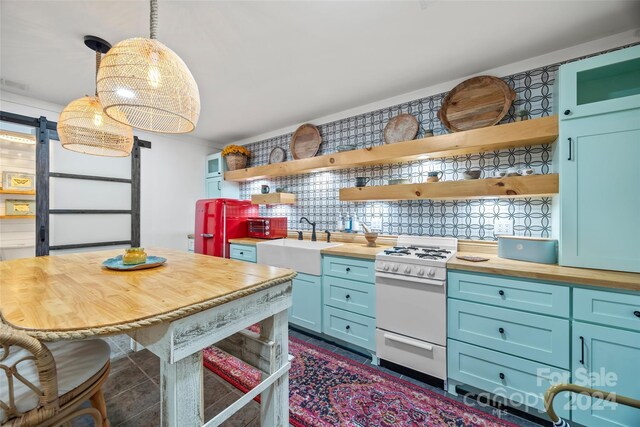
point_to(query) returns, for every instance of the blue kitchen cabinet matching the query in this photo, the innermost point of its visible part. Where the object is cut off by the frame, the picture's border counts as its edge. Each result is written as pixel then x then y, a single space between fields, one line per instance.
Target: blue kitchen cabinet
pixel 598 101
pixel 242 252
pixel 599 85
pixel 306 308
pixel 599 192
pixel 349 300
pixel 606 359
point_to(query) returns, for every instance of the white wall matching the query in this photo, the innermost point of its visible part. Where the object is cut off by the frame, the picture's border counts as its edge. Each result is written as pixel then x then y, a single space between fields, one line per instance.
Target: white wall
pixel 172 176
pixel 599 45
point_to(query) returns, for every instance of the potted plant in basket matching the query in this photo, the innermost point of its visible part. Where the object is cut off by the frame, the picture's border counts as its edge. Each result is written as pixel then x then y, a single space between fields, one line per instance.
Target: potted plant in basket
pixel 236 156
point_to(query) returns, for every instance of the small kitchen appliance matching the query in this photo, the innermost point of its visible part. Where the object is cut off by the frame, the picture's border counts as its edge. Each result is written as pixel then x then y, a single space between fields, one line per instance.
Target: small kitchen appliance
pixel 411 303
pixel 267 228
pixel 217 221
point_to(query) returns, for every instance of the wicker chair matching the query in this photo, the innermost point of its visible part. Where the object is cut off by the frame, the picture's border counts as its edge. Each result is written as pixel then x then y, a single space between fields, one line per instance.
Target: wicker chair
pixel 46 385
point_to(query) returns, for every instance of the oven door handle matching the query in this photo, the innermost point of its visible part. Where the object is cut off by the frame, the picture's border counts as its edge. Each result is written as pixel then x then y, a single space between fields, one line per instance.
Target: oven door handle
pixel 420 280
pixel 407 341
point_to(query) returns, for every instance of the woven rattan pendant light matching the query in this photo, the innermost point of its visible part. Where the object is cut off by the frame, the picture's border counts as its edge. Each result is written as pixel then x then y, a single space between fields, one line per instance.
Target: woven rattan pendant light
pixel 84 127
pixel 149 85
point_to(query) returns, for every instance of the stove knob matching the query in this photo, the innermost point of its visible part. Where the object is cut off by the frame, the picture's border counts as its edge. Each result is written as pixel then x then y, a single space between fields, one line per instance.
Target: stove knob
pixel 385 266
pixel 395 267
pixel 407 269
pixel 421 272
pixel 431 273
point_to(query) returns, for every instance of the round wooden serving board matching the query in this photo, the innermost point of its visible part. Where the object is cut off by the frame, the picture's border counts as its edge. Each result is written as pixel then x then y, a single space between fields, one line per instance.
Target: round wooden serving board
pixel 476 103
pixel 305 142
pixel 401 128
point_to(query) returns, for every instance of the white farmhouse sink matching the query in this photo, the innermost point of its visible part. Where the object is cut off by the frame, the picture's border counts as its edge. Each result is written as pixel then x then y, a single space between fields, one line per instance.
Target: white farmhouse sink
pixel 302 256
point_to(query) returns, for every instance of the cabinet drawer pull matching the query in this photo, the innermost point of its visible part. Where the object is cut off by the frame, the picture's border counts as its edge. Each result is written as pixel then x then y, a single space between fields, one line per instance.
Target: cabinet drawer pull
pixel 348 269
pixel 567 112
pixel 501 330
pixel 347 296
pixel 241 253
pixel 582 350
pixel 348 327
pixel 406 341
pixel 637 313
pixel 501 292
pixel 501 376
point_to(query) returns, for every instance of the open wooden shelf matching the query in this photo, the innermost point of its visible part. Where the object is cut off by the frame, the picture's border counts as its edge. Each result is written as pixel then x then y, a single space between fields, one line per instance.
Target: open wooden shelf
pixel 25 193
pixel 17 216
pixel 489 188
pixel 518 134
pixel 273 199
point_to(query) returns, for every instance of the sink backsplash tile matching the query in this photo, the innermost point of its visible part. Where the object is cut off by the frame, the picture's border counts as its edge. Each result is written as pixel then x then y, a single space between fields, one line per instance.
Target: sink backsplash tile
pixel 317 193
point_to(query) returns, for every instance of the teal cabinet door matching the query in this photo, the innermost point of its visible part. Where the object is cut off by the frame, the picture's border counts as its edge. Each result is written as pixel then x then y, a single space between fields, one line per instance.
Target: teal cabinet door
pixel 612 357
pixel 601 84
pixel 306 309
pixel 214 187
pixel 599 192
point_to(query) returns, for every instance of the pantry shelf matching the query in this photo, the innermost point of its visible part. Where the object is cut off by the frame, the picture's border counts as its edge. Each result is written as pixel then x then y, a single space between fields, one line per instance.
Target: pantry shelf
pixel 543 130
pixel 18 192
pixel 508 187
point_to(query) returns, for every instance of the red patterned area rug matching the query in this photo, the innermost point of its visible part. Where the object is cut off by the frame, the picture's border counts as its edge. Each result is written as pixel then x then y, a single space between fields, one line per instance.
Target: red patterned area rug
pixel 328 390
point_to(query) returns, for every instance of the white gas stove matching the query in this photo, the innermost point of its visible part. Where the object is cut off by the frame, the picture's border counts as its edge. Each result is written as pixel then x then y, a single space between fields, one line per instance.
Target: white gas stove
pixel 418 257
pixel 411 303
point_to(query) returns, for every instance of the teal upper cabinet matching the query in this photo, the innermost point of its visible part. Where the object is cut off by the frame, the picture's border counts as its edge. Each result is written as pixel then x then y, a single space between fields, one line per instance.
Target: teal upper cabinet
pixel 600 192
pixel 598 152
pixel 601 84
pixel 214 165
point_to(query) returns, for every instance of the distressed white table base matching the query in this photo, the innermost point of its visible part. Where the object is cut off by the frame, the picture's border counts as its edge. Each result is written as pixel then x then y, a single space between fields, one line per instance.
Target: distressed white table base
pixel 178 344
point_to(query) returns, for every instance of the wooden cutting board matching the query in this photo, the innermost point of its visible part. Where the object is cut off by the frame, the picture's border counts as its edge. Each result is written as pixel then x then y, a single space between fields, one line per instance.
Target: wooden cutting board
pixel 476 103
pixel 305 142
pixel 401 128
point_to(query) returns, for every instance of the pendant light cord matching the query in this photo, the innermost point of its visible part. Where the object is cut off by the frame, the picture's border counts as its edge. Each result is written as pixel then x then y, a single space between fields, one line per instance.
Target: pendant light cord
pixel 154 19
pixel 98 59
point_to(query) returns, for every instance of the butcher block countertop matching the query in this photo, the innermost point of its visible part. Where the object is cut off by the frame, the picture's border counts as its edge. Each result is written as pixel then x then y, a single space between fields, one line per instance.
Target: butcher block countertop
pixel 506 267
pixel 551 272
pixel 247 241
pixel 355 250
pixel 75 292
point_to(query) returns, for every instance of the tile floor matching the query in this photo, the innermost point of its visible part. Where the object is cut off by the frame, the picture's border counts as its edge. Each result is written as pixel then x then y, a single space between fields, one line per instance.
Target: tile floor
pixel 133 395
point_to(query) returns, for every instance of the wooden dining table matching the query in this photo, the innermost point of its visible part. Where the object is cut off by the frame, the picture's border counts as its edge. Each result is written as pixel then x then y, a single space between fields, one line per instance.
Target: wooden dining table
pixel 191 302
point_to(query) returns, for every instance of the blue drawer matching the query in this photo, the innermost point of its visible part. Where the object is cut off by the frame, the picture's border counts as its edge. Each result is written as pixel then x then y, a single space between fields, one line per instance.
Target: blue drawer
pixel 608 308
pixel 523 381
pixel 349 268
pixel 517 294
pixel 306 307
pixel 350 327
pixel 350 295
pixel 242 252
pixel 541 338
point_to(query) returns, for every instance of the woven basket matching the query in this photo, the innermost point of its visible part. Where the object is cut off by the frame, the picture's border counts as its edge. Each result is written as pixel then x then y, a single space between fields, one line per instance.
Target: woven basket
pixel 236 161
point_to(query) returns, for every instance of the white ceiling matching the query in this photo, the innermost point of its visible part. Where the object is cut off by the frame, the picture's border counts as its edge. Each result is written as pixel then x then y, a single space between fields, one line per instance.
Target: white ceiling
pixel 264 65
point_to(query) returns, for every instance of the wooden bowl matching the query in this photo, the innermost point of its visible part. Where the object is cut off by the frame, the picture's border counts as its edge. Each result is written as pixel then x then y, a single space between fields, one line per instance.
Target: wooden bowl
pixel 371 239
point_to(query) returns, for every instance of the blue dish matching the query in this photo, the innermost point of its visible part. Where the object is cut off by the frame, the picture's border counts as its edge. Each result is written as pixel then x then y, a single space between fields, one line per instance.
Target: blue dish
pixel 116 263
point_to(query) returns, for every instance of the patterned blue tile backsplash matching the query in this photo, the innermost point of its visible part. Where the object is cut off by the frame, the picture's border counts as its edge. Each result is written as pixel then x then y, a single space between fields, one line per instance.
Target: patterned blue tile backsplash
pixel 317 193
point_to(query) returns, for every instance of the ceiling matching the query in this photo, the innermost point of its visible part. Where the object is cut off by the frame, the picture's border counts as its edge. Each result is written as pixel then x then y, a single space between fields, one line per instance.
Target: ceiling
pixel 264 65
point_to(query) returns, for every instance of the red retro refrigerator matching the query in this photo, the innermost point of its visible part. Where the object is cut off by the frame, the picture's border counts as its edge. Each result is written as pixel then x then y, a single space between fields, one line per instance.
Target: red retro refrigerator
pixel 217 221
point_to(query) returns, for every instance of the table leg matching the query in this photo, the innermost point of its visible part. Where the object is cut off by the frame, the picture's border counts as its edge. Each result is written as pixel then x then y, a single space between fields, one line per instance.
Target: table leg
pixel 274 407
pixel 181 394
